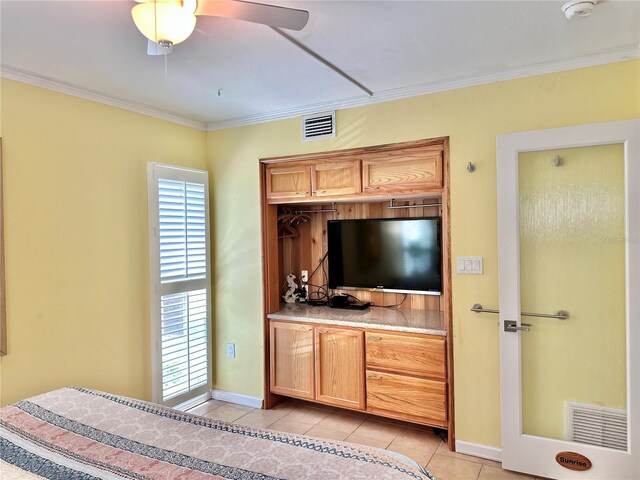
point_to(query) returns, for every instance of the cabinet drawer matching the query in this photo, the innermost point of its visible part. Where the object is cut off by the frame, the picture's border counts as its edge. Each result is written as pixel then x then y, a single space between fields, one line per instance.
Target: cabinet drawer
pixel 407 397
pixel 413 355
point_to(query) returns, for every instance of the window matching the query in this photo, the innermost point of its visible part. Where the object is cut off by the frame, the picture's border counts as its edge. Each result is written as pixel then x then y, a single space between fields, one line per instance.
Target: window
pixel 180 284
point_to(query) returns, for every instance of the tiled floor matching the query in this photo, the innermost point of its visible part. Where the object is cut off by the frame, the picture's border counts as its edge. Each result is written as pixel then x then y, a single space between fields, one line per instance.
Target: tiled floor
pixel 420 444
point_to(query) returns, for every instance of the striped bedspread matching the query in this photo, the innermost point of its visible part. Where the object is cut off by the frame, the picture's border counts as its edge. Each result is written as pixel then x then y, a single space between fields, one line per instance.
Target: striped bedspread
pixel 75 433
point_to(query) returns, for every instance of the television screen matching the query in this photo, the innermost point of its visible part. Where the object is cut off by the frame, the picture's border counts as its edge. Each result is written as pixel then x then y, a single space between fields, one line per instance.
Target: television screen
pixel 392 254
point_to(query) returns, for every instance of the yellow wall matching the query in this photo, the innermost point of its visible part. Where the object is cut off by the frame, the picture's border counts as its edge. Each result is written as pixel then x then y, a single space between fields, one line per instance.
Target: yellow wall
pixel 472 117
pixel 76 239
pixel 572 257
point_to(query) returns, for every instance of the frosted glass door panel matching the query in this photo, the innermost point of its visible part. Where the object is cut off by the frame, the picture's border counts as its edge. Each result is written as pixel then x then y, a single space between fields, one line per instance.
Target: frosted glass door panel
pixel 572 257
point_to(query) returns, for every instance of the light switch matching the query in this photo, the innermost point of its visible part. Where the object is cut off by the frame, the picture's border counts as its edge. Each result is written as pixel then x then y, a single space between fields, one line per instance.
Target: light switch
pixel 469 265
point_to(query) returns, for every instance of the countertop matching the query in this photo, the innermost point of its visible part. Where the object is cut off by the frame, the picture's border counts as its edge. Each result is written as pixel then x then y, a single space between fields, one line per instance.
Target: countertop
pixel 396 320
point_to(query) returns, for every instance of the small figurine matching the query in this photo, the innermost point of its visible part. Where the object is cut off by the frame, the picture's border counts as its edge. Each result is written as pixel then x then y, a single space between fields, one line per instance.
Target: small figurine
pixel 290 296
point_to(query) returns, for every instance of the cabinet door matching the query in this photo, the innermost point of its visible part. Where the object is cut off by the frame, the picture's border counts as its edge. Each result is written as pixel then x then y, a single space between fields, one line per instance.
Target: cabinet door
pixel 420 356
pixel 340 367
pixel 292 181
pixel 335 178
pixel 414 171
pixel 292 359
pixel 406 397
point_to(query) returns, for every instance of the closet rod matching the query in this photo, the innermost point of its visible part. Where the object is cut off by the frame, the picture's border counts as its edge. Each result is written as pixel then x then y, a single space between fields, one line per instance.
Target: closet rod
pixel 321 210
pixel 392 205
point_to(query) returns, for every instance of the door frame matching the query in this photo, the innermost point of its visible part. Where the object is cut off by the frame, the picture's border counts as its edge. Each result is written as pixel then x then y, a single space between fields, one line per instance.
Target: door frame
pixel 528 453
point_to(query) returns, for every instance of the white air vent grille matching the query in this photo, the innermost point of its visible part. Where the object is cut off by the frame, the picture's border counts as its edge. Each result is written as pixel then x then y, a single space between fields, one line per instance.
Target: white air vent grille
pixel 321 125
pixel 594 425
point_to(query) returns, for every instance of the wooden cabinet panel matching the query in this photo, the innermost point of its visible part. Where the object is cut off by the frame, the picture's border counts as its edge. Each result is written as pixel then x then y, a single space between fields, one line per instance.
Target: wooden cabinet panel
pixel 335 178
pixel 291 181
pixel 411 171
pixel 405 397
pixel 291 362
pixel 340 367
pixel 421 356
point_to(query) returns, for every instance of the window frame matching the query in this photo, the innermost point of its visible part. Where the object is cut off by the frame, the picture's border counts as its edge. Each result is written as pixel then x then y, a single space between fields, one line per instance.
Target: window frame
pixel 155 171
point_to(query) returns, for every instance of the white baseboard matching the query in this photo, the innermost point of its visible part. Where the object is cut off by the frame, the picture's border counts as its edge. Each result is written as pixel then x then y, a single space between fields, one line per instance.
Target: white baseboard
pixel 237 398
pixel 477 450
pixel 193 402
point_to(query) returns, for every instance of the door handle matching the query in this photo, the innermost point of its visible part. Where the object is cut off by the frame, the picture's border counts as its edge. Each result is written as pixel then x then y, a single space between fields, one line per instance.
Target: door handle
pixel 512 326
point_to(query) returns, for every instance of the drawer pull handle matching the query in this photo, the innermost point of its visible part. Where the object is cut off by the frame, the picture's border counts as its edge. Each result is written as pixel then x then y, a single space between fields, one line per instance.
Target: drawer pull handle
pixel 319 191
pixel 301 193
pixel 371 337
pixel 373 377
pixel 371 188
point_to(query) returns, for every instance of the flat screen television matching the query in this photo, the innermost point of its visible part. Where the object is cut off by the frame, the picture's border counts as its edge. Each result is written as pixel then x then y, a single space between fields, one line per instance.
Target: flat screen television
pixel 391 254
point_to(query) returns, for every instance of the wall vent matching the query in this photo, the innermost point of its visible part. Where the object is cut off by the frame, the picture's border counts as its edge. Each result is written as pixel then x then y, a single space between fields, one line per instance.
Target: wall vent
pixel 319 125
pixel 595 425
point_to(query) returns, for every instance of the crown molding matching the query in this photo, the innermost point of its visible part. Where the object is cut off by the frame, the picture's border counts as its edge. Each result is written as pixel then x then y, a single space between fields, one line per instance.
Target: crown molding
pixel 12 73
pixel 627 52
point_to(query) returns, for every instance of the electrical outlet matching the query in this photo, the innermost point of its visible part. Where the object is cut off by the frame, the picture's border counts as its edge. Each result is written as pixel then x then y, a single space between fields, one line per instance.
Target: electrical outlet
pixel 231 350
pixel 304 278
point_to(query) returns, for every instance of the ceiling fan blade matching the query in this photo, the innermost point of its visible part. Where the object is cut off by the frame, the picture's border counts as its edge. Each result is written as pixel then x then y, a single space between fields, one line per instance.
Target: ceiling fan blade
pixel 272 15
pixel 155 49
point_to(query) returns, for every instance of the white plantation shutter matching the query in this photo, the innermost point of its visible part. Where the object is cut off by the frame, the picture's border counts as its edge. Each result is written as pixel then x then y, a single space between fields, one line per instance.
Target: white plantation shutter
pixel 180 283
pixel 182 230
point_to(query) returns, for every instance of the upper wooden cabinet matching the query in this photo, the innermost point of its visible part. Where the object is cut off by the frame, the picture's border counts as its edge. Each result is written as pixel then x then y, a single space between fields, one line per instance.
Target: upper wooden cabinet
pixel 414 170
pixel 292 360
pixel 335 178
pixel 288 181
pixel 340 367
pixel 313 180
pixel 388 171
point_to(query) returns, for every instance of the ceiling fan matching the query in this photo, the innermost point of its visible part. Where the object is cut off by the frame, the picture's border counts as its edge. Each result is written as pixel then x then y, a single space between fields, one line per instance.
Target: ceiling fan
pixel 168 22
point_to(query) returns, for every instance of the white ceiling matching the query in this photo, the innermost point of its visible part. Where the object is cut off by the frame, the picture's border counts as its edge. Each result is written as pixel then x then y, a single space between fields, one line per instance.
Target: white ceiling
pixel 394 48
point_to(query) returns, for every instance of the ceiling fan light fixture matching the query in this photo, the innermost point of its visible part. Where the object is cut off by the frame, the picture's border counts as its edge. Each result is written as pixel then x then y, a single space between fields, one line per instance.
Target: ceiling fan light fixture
pixel 164 21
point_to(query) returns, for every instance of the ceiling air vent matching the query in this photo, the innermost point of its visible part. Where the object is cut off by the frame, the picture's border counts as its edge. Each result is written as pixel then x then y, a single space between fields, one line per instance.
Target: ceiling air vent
pixel 605 427
pixel 319 125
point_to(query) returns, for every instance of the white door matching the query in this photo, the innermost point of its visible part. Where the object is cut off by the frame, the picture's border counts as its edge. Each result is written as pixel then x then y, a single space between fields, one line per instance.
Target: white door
pixel 569 240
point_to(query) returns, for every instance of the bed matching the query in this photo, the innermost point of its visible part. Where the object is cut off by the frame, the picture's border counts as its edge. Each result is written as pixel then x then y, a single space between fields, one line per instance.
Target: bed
pixel 76 433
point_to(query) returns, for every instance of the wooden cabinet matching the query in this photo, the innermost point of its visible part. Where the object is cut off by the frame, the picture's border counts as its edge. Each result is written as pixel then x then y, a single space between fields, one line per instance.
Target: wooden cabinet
pixel 292 359
pixel 415 170
pixel 297 182
pixel 340 367
pixel 388 173
pixel 406 376
pixel 335 178
pixel 386 373
pixel 290 181
pixel 405 397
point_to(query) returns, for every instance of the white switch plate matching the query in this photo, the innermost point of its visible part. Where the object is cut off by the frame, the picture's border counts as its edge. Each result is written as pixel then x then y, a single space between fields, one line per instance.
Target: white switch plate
pixel 231 350
pixel 469 265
